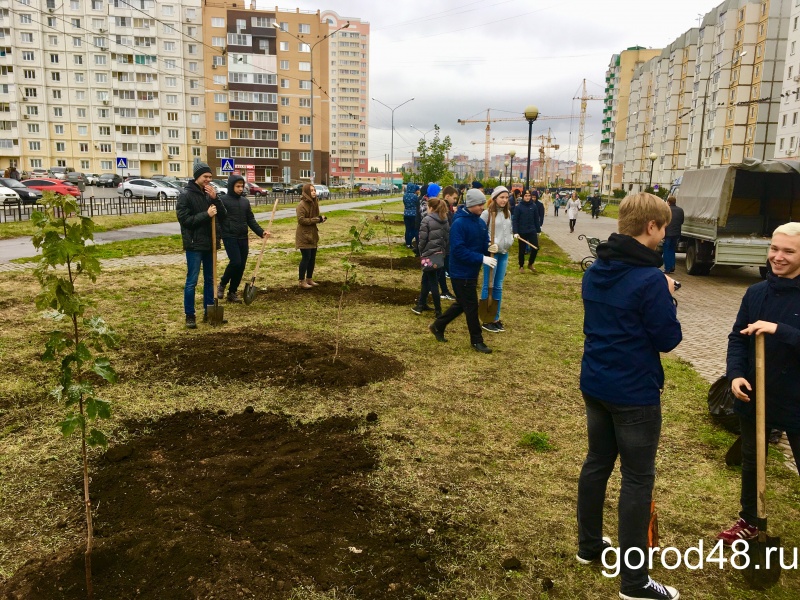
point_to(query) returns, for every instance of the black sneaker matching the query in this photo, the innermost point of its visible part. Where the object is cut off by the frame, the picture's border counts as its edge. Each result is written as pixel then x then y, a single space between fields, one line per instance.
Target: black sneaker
pixel 490 327
pixel 482 348
pixel 448 297
pixel 191 322
pixel 499 326
pixel 233 298
pixel 587 559
pixel 220 292
pixel 417 310
pixel 652 591
pixel 436 333
pixel 425 307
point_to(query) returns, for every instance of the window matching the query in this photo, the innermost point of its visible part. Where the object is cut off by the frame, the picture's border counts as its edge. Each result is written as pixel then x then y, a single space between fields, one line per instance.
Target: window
pixel 305 102
pixel 789 73
pixel 221 135
pixel 102 113
pixel 57 94
pixel 83 147
pixel 169 46
pixel 220 98
pixel 79 77
pixel 303 47
pixel 285 156
pixel 54 59
pixel 284 101
pixel 305 85
pixel 76 42
pixel 305 66
pixel 218 41
pixel 104 130
pixel 173 150
pixel 305 139
pixel 284 46
pixel 305 120
pixel 77 59
pixel 221 117
pixel 61 147
pixel 33 128
pixel 34 145
pixel 304 28
pixel 171 81
pixel 241 24
pixel 168 11
pixel 105 148
pixel 101 77
pixel 262 21
pixel 780 145
pixel 284 119
pixel 172 116
pixel 26 37
pixel 285 84
pixel 170 63
pixel 100 59
pixel 783 121
pixel 28 56
pixel 172 134
pixel 284 137
pixel 83 130
pixel 305 156
pixel 219 80
pixel 25 19
pixel 217 22
pixel 794 118
pixel 284 64
pixel 192 48
pixel 28 74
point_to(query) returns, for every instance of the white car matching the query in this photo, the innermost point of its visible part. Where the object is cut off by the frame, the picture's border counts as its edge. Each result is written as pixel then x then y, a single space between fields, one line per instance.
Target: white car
pixel 149 188
pixel 8 196
pixel 323 193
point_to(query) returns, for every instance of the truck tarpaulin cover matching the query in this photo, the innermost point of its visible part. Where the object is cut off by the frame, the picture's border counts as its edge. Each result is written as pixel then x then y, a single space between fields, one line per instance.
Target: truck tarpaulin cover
pixel 711 189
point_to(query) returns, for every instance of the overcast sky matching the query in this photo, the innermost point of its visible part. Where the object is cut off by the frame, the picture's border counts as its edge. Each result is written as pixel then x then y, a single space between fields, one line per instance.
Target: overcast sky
pixel 459 57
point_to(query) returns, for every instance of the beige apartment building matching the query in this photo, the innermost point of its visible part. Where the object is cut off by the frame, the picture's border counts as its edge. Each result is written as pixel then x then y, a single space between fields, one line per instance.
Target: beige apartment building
pixel 711 98
pixel 787 145
pixel 85 83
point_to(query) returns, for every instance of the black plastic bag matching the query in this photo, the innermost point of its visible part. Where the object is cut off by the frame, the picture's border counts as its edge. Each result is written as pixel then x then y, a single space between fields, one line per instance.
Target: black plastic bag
pixel 720 405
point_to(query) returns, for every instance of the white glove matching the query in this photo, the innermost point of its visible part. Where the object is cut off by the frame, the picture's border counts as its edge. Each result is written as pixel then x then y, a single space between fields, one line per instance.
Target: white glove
pixel 516 236
pixel 493 248
pixel 490 262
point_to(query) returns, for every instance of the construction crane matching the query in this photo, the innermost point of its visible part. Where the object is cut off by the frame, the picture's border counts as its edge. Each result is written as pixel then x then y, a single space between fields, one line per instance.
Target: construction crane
pixel 546 142
pixel 488 120
pixel 584 98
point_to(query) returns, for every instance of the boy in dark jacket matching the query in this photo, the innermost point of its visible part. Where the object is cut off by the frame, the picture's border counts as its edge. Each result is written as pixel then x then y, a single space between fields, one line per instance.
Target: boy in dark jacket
pixel 772 308
pixel 469 249
pixel 233 232
pixel 629 319
pixel 527 223
pixel 195 206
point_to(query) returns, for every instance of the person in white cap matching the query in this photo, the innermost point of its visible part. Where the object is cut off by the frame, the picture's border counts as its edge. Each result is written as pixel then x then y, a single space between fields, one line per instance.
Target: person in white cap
pixel 499 213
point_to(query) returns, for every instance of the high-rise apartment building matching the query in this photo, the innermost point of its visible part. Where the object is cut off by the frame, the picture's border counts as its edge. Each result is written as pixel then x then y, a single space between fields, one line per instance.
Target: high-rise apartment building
pixel 787 144
pixel 85 82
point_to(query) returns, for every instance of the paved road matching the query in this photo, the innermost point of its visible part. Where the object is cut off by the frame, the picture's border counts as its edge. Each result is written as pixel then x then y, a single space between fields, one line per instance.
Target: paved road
pixel 707 306
pixel 22 247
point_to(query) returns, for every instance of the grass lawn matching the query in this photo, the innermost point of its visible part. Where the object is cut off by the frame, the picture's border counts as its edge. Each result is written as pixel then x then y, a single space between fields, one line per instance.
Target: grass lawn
pixel 484 450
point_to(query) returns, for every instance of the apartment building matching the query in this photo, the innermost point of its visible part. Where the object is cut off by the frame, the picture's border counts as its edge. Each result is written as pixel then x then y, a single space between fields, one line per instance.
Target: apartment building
pixel 618 85
pixel 86 82
pixel 787 145
pixel 349 92
pixel 712 97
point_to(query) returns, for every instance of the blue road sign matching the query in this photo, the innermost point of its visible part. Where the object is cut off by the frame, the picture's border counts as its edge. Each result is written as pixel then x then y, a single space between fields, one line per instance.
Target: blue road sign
pixel 122 162
pixel 227 165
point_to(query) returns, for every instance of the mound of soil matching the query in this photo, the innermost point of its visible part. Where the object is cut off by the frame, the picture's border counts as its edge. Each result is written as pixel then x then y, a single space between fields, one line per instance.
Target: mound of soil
pixel 246 506
pixel 287 359
pixel 382 262
pixel 357 294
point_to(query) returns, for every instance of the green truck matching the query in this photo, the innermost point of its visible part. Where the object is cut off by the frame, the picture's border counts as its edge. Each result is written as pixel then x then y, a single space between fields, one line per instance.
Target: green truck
pixel 731 211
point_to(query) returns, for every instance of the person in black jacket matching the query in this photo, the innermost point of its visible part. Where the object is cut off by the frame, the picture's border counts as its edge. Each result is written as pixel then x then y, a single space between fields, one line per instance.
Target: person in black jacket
pixel 233 232
pixel 672 236
pixel 595 202
pixel 772 308
pixel 527 224
pixel 195 206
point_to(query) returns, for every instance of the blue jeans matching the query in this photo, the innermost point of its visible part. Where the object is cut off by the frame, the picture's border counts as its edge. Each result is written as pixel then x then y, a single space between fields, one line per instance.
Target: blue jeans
pixel 632 433
pixel 411 230
pixel 499 275
pixel 670 244
pixel 237 256
pixel 193 261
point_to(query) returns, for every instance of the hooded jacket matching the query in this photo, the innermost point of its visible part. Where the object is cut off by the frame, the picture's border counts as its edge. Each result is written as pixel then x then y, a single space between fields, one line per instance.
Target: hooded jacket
pixel 776 300
pixel 629 319
pixel 410 200
pixel 239 214
pixel 192 210
pixel 528 217
pixel 434 235
pixel 307 235
pixel 469 243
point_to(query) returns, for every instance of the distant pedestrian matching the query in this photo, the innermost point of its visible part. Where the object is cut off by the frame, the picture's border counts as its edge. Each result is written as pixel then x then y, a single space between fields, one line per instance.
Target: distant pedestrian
pixel 410 204
pixel 7 173
pixel 573 208
pixel 527 224
pixel 306 237
pixel 556 204
pixel 434 241
pixel 595 201
pixel 469 249
pixel 15 173
pixel 673 235
pixel 497 215
pixel 514 198
pixel 546 199
pixel 233 232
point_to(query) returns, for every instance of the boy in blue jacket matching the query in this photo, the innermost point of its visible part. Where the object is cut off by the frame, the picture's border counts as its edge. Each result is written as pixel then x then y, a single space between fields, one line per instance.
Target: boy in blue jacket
pixel 629 319
pixel 469 247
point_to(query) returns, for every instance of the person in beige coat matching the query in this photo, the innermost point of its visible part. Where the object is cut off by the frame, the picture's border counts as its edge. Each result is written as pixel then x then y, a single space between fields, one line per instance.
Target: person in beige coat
pixel 306 238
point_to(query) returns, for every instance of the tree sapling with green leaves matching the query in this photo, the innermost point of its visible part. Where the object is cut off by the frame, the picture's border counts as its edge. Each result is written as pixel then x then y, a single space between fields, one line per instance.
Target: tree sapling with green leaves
pixel 360 233
pixel 78 339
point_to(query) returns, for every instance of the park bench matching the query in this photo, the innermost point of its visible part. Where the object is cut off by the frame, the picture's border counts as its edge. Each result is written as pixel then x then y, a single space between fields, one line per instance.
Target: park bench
pixel 592 242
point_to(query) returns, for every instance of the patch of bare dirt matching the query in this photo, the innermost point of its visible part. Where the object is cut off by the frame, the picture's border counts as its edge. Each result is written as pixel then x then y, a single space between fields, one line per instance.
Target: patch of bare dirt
pixel 405 263
pixel 285 358
pixel 245 506
pixel 356 294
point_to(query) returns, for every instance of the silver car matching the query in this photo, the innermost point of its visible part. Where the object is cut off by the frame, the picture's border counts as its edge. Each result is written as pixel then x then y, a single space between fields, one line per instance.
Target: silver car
pixel 323 193
pixel 149 188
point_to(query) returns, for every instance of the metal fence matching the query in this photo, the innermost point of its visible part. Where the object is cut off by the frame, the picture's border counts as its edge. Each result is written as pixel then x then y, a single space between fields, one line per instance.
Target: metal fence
pixel 92 206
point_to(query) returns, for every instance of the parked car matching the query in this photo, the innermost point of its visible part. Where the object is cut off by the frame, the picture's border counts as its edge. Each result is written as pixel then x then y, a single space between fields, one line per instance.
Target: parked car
pixel 323 193
pixel 109 180
pixel 368 188
pixel 23 192
pixel 278 188
pixel 77 179
pixel 254 190
pixel 148 188
pixel 60 172
pixel 295 190
pixel 39 173
pixel 9 196
pixel 53 185
pixel 91 178
pixel 221 188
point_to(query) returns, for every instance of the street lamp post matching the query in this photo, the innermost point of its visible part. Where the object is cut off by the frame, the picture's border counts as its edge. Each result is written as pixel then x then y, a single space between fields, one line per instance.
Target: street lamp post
pixel 653 156
pixel 505 164
pixel 512 154
pixel 531 114
pixel 311 75
pixel 705 98
pixel 602 178
pixel 391 163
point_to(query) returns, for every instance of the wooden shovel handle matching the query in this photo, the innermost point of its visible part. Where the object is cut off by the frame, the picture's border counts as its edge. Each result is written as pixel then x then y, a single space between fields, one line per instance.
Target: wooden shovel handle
pixel 264 240
pixel 214 252
pixel 761 429
pixel 527 242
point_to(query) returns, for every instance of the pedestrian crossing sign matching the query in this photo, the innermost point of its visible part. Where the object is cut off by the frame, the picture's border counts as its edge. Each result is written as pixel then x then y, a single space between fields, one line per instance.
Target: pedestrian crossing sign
pixel 227 165
pixel 122 163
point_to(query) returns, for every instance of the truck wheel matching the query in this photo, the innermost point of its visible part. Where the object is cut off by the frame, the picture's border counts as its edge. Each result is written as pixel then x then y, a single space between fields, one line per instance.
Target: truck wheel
pixel 693 266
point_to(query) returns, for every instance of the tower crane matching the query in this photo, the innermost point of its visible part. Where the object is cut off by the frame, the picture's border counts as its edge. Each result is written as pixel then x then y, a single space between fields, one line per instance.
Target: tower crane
pixel 584 97
pixel 488 120
pixel 546 142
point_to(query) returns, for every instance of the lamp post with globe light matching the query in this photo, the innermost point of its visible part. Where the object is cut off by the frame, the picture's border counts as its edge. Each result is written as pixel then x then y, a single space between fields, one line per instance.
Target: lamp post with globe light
pixel 505 164
pixel 512 154
pixel 531 114
pixel 653 156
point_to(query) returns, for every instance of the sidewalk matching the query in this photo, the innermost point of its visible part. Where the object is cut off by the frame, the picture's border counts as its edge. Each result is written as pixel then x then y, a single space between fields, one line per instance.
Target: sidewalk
pixel 22 247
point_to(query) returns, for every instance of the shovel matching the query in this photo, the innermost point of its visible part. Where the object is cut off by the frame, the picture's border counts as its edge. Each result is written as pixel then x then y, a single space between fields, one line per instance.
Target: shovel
pixel 250 287
pixel 487 308
pixel 216 312
pixel 763 569
pixel 529 244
